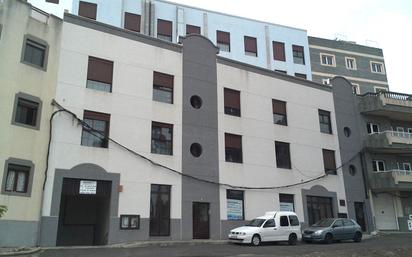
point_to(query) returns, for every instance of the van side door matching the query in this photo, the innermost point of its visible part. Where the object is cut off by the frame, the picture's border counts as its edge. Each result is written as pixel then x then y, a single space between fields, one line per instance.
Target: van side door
pixel 269 230
pixel 284 229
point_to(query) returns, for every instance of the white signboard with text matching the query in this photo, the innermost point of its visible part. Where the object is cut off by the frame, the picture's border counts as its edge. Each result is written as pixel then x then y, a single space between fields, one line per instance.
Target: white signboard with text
pixel 234 209
pixel 286 206
pixel 88 187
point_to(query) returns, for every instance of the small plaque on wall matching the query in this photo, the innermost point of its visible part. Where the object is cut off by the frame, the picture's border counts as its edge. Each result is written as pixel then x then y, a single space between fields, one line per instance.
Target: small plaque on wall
pixel 88 187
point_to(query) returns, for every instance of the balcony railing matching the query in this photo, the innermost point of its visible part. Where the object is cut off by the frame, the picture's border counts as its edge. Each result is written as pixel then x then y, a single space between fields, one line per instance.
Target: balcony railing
pixel 390 98
pixel 397 137
pixel 397 172
pixel 397 176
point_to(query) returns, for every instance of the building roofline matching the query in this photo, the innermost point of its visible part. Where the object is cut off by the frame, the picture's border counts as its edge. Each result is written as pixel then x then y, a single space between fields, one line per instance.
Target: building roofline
pixel 273 74
pixel 230 15
pixel 103 27
pixel 39 10
pixel 343 41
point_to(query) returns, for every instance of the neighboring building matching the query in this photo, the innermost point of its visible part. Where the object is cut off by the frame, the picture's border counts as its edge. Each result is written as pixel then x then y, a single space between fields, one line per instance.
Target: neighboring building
pixel 379 125
pixel 363 66
pixel 201 116
pixel 29 40
pixel 272 46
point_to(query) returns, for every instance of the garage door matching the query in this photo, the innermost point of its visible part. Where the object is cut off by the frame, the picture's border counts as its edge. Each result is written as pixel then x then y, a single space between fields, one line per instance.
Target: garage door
pixel 384 212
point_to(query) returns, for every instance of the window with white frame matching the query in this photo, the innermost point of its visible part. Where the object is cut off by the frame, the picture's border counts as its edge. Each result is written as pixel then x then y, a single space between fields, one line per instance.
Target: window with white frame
pixel 327 60
pixel 372 128
pixel 325 81
pixel 350 63
pixel 407 166
pixel 378 165
pixel 356 88
pixel 377 67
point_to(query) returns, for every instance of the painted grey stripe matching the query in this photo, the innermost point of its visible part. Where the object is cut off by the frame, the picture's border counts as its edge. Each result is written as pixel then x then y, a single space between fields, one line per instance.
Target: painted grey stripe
pixel 102 27
pixel 329 75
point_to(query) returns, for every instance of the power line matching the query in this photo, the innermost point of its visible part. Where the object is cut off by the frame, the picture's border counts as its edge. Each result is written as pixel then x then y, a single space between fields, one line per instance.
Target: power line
pixel 101 135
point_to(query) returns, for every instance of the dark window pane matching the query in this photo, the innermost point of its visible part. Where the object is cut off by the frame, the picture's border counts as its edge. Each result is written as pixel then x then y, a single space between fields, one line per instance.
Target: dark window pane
pixel 99 74
pixel 34 53
pixel 232 102
pixel 329 161
pixel 294 221
pixel 325 122
pixel 284 222
pixel 162 138
pixel 97 130
pixel 163 94
pixel 282 155
pixel 298 54
pixel 132 21
pixel 160 210
pixel 233 155
pixel 88 10
pixel 26 112
pixel 191 29
pixel 279 112
pixel 17 178
pixel 279 51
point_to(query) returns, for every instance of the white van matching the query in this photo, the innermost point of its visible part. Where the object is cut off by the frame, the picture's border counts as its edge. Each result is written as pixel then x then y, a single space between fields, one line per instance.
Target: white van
pixel 273 226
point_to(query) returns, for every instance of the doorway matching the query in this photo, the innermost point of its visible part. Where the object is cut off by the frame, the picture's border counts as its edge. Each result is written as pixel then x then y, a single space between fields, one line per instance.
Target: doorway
pixel 84 212
pixel 319 208
pixel 360 215
pixel 201 221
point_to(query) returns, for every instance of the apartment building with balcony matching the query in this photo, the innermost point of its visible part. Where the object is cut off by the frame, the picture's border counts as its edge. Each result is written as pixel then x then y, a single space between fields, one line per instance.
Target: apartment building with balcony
pixel 29 40
pixel 363 66
pixel 379 125
pixel 155 140
pixel 267 45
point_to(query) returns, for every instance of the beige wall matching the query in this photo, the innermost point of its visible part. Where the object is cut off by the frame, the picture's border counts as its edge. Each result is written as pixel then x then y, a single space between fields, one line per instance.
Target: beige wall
pixel 19 19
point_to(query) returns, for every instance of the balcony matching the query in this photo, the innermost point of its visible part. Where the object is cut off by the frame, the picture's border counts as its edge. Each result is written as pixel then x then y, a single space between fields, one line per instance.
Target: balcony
pixel 392 180
pixel 389 142
pixel 396 106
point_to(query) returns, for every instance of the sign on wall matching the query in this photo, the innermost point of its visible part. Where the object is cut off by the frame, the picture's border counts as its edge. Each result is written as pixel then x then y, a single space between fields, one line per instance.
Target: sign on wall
pixel 286 206
pixel 88 187
pixel 234 209
pixel 410 225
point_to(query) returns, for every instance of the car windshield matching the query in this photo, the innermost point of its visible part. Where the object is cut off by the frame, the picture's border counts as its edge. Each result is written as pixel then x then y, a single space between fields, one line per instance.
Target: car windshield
pixel 324 223
pixel 255 223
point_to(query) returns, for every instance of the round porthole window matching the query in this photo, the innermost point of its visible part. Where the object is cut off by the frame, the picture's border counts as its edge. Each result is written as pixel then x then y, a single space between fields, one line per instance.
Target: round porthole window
pixel 196 101
pixel 196 149
pixel 347 131
pixel 352 170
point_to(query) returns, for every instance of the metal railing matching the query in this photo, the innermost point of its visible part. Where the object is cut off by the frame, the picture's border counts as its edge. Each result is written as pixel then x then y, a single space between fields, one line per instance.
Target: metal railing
pixel 397 171
pixel 393 133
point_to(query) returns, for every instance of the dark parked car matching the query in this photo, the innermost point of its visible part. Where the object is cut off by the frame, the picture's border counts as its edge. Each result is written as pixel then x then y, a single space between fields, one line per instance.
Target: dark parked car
pixel 329 230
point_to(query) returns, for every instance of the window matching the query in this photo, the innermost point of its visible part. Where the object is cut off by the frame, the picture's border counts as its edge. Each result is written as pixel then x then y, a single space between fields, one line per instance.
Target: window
pixel 190 29
pixel 26 111
pixel 319 208
pixel 163 87
pixel 35 52
pixel 196 150
pixel 96 132
pixel 407 166
pixel 53 1
pixel 350 63
pixel 223 40
pixel 325 81
pixel 279 51
pixel 270 223
pixel 17 178
pixel 377 67
pixel 279 112
pixel 338 223
pixel 380 89
pixel 284 221
pixel 282 155
pixel 378 165
pixel 132 21
pixel 325 122
pixel 347 131
pixel 372 128
pixel 294 221
pixel 164 30
pixel 233 148
pixel 298 54
pixel 348 223
pixel 329 162
pixel 286 202
pixel 327 60
pixel 300 75
pixel 88 10
pixel 232 102
pixel 342 202
pixel 356 88
pixel 160 210
pixel 250 46
pixel 129 221
pixel 162 138
pixel 235 204
pixel 282 71
pixel 99 74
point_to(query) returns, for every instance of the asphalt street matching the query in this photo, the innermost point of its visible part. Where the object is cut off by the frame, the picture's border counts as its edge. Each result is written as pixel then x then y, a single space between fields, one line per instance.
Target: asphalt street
pixel 383 245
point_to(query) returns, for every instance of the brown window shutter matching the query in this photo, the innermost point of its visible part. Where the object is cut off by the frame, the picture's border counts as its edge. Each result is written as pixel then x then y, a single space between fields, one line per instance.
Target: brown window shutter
pixel 279 107
pixel 190 29
pixel 297 48
pixel 132 21
pixel 232 98
pixel 329 159
pixel 223 37
pixel 250 44
pixel 53 1
pixel 161 125
pixel 233 141
pixel 279 51
pixel 88 10
pixel 164 27
pixel 100 70
pixel 162 79
pixel 300 75
pixel 96 116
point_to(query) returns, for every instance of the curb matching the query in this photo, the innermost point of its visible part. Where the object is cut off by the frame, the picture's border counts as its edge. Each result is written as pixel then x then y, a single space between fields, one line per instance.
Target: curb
pixel 17 253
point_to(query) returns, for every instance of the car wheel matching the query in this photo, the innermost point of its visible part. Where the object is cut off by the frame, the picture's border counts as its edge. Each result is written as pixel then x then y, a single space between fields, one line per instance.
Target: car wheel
pixel 328 238
pixel 358 237
pixel 292 239
pixel 256 240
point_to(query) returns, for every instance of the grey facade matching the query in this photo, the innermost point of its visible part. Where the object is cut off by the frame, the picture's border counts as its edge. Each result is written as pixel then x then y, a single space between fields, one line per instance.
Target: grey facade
pixel 381 155
pixel 360 75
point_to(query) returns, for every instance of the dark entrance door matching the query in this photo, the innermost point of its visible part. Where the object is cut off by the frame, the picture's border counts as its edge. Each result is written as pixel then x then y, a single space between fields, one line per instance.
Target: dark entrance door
pixel 319 208
pixel 200 220
pixel 84 212
pixel 360 215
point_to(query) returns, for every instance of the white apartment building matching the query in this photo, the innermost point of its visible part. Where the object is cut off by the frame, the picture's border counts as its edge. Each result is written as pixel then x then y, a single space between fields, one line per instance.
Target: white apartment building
pixel 198 143
pixel 267 45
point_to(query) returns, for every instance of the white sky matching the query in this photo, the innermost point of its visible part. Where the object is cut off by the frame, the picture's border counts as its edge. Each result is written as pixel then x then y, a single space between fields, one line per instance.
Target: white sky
pixel 386 24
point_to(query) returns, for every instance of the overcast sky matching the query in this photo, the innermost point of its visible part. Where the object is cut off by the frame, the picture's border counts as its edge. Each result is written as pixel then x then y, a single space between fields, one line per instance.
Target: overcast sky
pixel 386 24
